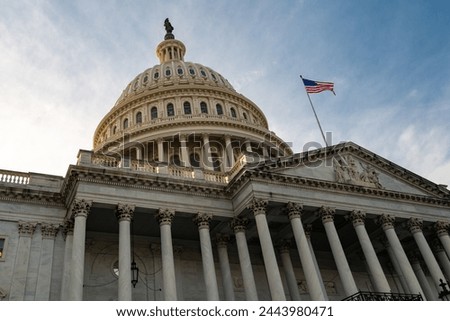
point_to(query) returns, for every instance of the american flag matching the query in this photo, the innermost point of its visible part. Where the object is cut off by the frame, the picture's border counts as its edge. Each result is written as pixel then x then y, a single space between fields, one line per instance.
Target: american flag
pixel 314 87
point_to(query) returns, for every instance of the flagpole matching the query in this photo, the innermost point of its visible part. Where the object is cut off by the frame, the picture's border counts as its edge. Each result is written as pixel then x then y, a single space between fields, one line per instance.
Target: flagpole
pixel 315 114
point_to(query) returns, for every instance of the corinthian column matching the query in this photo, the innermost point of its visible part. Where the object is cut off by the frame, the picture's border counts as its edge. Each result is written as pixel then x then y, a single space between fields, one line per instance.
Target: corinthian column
pixel 415 227
pixel 258 208
pixel 20 273
pixel 124 213
pixel 209 271
pixel 387 223
pixel 239 225
pixel 380 282
pixel 345 274
pixel 80 212
pixel 48 232
pixel 289 273
pixel 165 217
pixel 442 257
pixel 222 243
pixel 442 233
pixel 313 279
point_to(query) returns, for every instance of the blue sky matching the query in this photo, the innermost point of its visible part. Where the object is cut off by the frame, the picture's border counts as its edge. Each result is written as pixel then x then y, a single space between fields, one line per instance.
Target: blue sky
pixel 64 64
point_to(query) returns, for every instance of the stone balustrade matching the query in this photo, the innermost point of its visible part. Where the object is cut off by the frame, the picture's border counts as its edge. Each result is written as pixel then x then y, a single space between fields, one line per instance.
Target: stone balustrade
pixel 14 177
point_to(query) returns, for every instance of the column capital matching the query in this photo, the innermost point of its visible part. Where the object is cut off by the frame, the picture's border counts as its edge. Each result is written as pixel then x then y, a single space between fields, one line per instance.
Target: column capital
pixel 124 212
pixel 308 230
pixel 222 240
pixel 67 228
pixel 26 228
pixel 81 207
pixel 49 231
pixel 441 228
pixel 165 216
pixel 326 214
pixel 357 217
pixel 258 206
pixel 415 225
pixel 284 246
pixel 202 220
pixel 239 224
pixel 386 221
pixel 295 210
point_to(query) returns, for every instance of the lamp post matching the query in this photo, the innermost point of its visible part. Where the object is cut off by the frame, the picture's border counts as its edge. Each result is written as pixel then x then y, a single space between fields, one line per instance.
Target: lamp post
pixel 443 295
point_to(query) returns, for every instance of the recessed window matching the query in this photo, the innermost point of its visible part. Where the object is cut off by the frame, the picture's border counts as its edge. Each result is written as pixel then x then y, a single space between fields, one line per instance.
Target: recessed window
pixel 194 159
pixel 203 108
pixel 154 113
pixel 233 113
pixel 180 71
pixel 187 108
pixel 219 109
pixel 145 79
pixel 203 73
pixel 170 110
pixel 245 116
pixel 139 118
pixel 125 123
pixel 156 75
pixel 176 160
pixel 214 77
pixel 192 71
pixel 168 72
pixel 114 130
pixel 2 247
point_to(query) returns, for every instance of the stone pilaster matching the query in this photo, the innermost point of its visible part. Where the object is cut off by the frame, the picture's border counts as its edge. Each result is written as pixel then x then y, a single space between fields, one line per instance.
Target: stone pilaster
pixel 165 217
pixel 209 271
pixel 48 232
pixel 239 226
pixel 258 208
pixel 345 274
pixel 310 270
pixel 19 277
pixel 124 214
pixel 67 231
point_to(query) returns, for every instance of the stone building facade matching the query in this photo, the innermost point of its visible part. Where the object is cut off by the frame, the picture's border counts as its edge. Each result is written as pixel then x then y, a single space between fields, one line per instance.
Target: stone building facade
pixel 187 185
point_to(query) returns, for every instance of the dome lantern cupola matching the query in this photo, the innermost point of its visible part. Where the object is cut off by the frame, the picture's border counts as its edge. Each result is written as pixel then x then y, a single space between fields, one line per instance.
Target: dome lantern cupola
pixel 170 49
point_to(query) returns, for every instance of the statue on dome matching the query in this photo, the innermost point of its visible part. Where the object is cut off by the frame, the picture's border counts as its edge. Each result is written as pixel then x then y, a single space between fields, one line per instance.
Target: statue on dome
pixel 169 29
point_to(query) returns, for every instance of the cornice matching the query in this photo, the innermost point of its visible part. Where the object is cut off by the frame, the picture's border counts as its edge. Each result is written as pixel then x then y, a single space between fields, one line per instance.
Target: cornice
pixel 27 195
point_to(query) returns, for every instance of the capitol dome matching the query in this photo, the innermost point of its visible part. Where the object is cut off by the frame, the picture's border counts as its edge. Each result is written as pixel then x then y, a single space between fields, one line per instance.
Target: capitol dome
pixel 184 114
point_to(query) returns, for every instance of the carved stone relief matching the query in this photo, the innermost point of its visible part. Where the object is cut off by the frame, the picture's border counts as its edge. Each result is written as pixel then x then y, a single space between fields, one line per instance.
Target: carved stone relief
pixel 348 171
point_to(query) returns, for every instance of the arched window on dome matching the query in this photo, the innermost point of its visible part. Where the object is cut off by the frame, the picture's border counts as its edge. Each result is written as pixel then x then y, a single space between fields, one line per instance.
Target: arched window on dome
pixel 180 71
pixel 125 123
pixel 233 112
pixel 187 108
pixel 168 72
pixel 203 108
pixel 139 118
pixel 191 71
pixel 154 113
pixel 170 110
pixel 219 109
pixel 194 160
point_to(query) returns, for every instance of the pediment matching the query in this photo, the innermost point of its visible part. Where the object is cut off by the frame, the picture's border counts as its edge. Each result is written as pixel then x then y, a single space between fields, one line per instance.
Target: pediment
pixel 350 164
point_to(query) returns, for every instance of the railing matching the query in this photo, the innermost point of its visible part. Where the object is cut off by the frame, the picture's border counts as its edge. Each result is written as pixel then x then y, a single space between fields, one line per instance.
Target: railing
pixel 181 172
pixel 106 161
pixel 12 177
pixel 215 177
pixel 383 296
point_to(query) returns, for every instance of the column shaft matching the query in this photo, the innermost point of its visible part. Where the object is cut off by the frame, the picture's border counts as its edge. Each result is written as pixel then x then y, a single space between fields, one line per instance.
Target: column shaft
pixel 244 260
pixel 442 233
pixel 229 152
pixel 124 261
pixel 270 261
pixel 227 280
pixel 169 283
pixel 291 280
pixel 445 263
pixel 65 282
pixel 424 284
pixel 397 269
pixel 313 279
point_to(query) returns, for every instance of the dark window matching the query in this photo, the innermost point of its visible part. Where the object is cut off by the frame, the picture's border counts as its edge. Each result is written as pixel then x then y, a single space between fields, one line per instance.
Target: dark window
pixel 139 118
pixel 170 110
pixel 219 109
pixel 125 123
pixel 114 130
pixel 233 112
pixel 2 246
pixel 145 79
pixel 180 71
pixel 187 108
pixel 192 71
pixel 194 159
pixel 156 74
pixel 154 113
pixel 176 160
pixel 245 116
pixel 168 72
pixel 203 108
pixel 203 73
